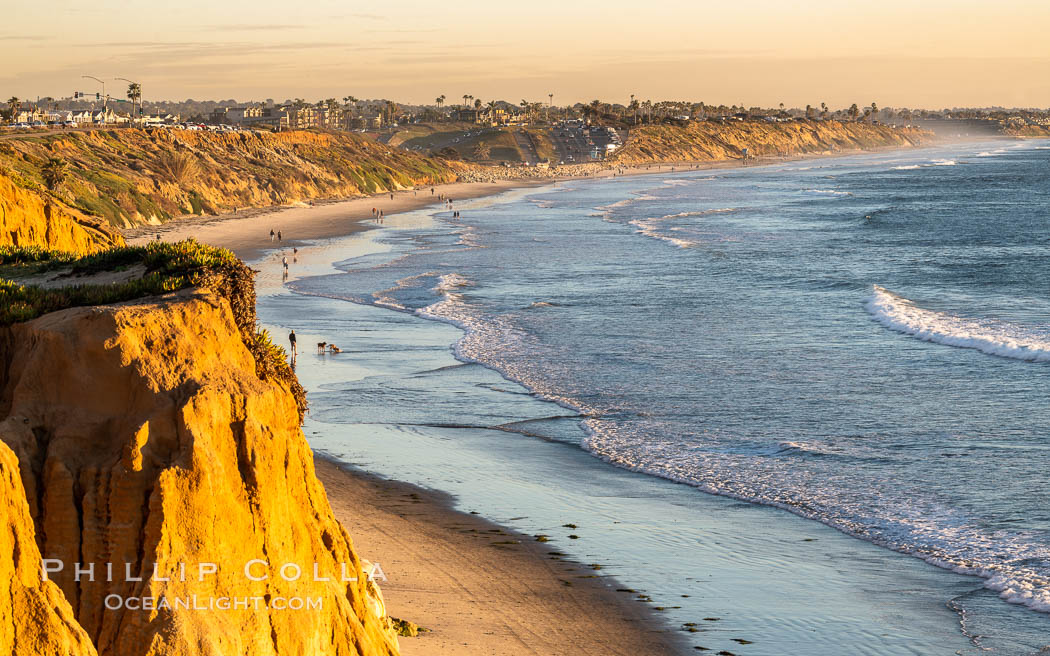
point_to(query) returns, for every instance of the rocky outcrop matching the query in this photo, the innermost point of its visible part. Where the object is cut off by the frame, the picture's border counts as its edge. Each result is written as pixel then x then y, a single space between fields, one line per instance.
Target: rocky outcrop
pixel 35 618
pixel 146 440
pixel 1027 130
pixel 701 141
pixel 130 177
pixel 29 218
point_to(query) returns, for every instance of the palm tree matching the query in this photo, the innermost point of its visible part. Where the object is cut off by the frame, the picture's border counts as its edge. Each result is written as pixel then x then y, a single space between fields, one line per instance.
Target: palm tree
pixel 550 104
pixel 135 95
pixel 13 103
pixel 823 110
pixel 465 96
pixel 595 108
pixel 440 101
pixel 54 173
pixel 874 111
pixel 492 111
pixel 853 111
pixel 477 103
pixel 525 108
pixel 347 100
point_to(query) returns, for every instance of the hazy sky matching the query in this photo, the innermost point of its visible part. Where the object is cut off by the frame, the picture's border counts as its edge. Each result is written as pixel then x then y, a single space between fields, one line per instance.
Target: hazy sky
pixel 932 53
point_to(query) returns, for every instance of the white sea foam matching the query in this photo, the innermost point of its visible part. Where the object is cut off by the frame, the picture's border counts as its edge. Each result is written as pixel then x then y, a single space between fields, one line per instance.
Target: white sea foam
pixel 943 162
pixel 985 335
pixel 909 167
pixel 826 192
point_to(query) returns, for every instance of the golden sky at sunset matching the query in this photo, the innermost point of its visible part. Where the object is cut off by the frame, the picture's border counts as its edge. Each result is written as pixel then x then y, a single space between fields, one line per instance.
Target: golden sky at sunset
pixel 931 54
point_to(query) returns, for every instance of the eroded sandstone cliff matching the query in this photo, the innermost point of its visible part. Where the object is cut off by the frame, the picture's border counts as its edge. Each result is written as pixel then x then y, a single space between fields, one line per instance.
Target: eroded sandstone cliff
pixel 145 438
pixel 701 141
pixel 35 618
pixel 29 218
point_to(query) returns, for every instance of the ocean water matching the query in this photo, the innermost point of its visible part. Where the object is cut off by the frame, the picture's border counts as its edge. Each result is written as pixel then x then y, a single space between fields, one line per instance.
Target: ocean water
pixel 859 343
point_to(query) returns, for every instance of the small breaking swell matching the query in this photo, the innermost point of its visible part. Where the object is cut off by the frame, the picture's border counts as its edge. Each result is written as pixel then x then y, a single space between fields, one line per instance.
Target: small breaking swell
pixel 988 336
pixel 650 227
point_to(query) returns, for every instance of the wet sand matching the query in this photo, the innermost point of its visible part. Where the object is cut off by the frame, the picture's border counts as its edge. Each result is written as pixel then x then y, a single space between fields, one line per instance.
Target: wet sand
pixel 482 589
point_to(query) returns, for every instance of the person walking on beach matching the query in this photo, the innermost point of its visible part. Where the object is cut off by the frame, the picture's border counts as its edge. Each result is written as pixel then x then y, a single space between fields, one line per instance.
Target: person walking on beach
pixel 391 196
pixel 272 233
pixel 284 261
pixel 431 191
pixel 278 235
pixel 291 341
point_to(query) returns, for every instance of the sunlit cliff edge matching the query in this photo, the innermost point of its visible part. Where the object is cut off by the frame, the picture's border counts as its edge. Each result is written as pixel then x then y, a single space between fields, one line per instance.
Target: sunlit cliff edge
pixel 29 218
pixel 157 434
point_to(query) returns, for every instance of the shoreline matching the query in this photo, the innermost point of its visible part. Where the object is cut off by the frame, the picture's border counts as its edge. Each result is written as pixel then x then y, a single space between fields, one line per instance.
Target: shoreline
pixel 247 235
pixel 480 588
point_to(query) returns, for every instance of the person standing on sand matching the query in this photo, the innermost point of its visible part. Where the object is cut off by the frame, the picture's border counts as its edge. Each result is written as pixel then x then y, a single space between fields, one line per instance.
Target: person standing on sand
pixel 272 233
pixel 391 196
pixel 284 261
pixel 431 191
pixel 291 341
pixel 278 235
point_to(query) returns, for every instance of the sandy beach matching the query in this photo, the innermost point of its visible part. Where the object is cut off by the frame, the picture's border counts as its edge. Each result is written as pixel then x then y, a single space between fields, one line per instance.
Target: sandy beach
pixel 247 232
pixel 479 588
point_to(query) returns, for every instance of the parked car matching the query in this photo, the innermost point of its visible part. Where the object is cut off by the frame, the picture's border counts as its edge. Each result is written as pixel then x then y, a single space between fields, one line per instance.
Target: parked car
pixel 71 124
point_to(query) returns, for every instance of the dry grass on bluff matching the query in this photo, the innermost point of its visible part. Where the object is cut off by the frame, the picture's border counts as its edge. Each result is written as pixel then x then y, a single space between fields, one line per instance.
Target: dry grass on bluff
pixel 132 177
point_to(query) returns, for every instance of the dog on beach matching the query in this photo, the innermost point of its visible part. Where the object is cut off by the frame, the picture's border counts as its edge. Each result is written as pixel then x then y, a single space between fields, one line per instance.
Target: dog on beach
pixel 335 349
pixel 321 346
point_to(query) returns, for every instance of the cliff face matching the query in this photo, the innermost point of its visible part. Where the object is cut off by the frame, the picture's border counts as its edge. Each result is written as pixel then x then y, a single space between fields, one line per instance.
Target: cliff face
pixel 145 439
pixel 701 141
pixel 131 177
pixel 35 618
pixel 28 219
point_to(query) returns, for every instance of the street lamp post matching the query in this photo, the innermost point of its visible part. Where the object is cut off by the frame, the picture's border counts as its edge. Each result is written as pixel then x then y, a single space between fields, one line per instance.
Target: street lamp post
pixel 105 101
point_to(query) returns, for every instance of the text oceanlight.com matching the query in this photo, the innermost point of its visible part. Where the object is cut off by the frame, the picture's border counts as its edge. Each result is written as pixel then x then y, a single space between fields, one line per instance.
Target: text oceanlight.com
pixel 193 602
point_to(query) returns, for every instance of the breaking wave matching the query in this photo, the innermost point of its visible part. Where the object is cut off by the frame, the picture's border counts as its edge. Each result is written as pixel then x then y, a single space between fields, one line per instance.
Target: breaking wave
pixel 988 336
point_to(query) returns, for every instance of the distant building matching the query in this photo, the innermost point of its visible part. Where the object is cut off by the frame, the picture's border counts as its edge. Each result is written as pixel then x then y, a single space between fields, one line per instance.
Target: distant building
pixel 468 115
pixel 236 115
pixel 159 119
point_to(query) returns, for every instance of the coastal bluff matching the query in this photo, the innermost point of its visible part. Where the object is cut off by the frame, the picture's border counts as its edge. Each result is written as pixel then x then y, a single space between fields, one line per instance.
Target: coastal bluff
pixel 141 443
pixel 132 177
pixel 28 218
pixel 707 141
